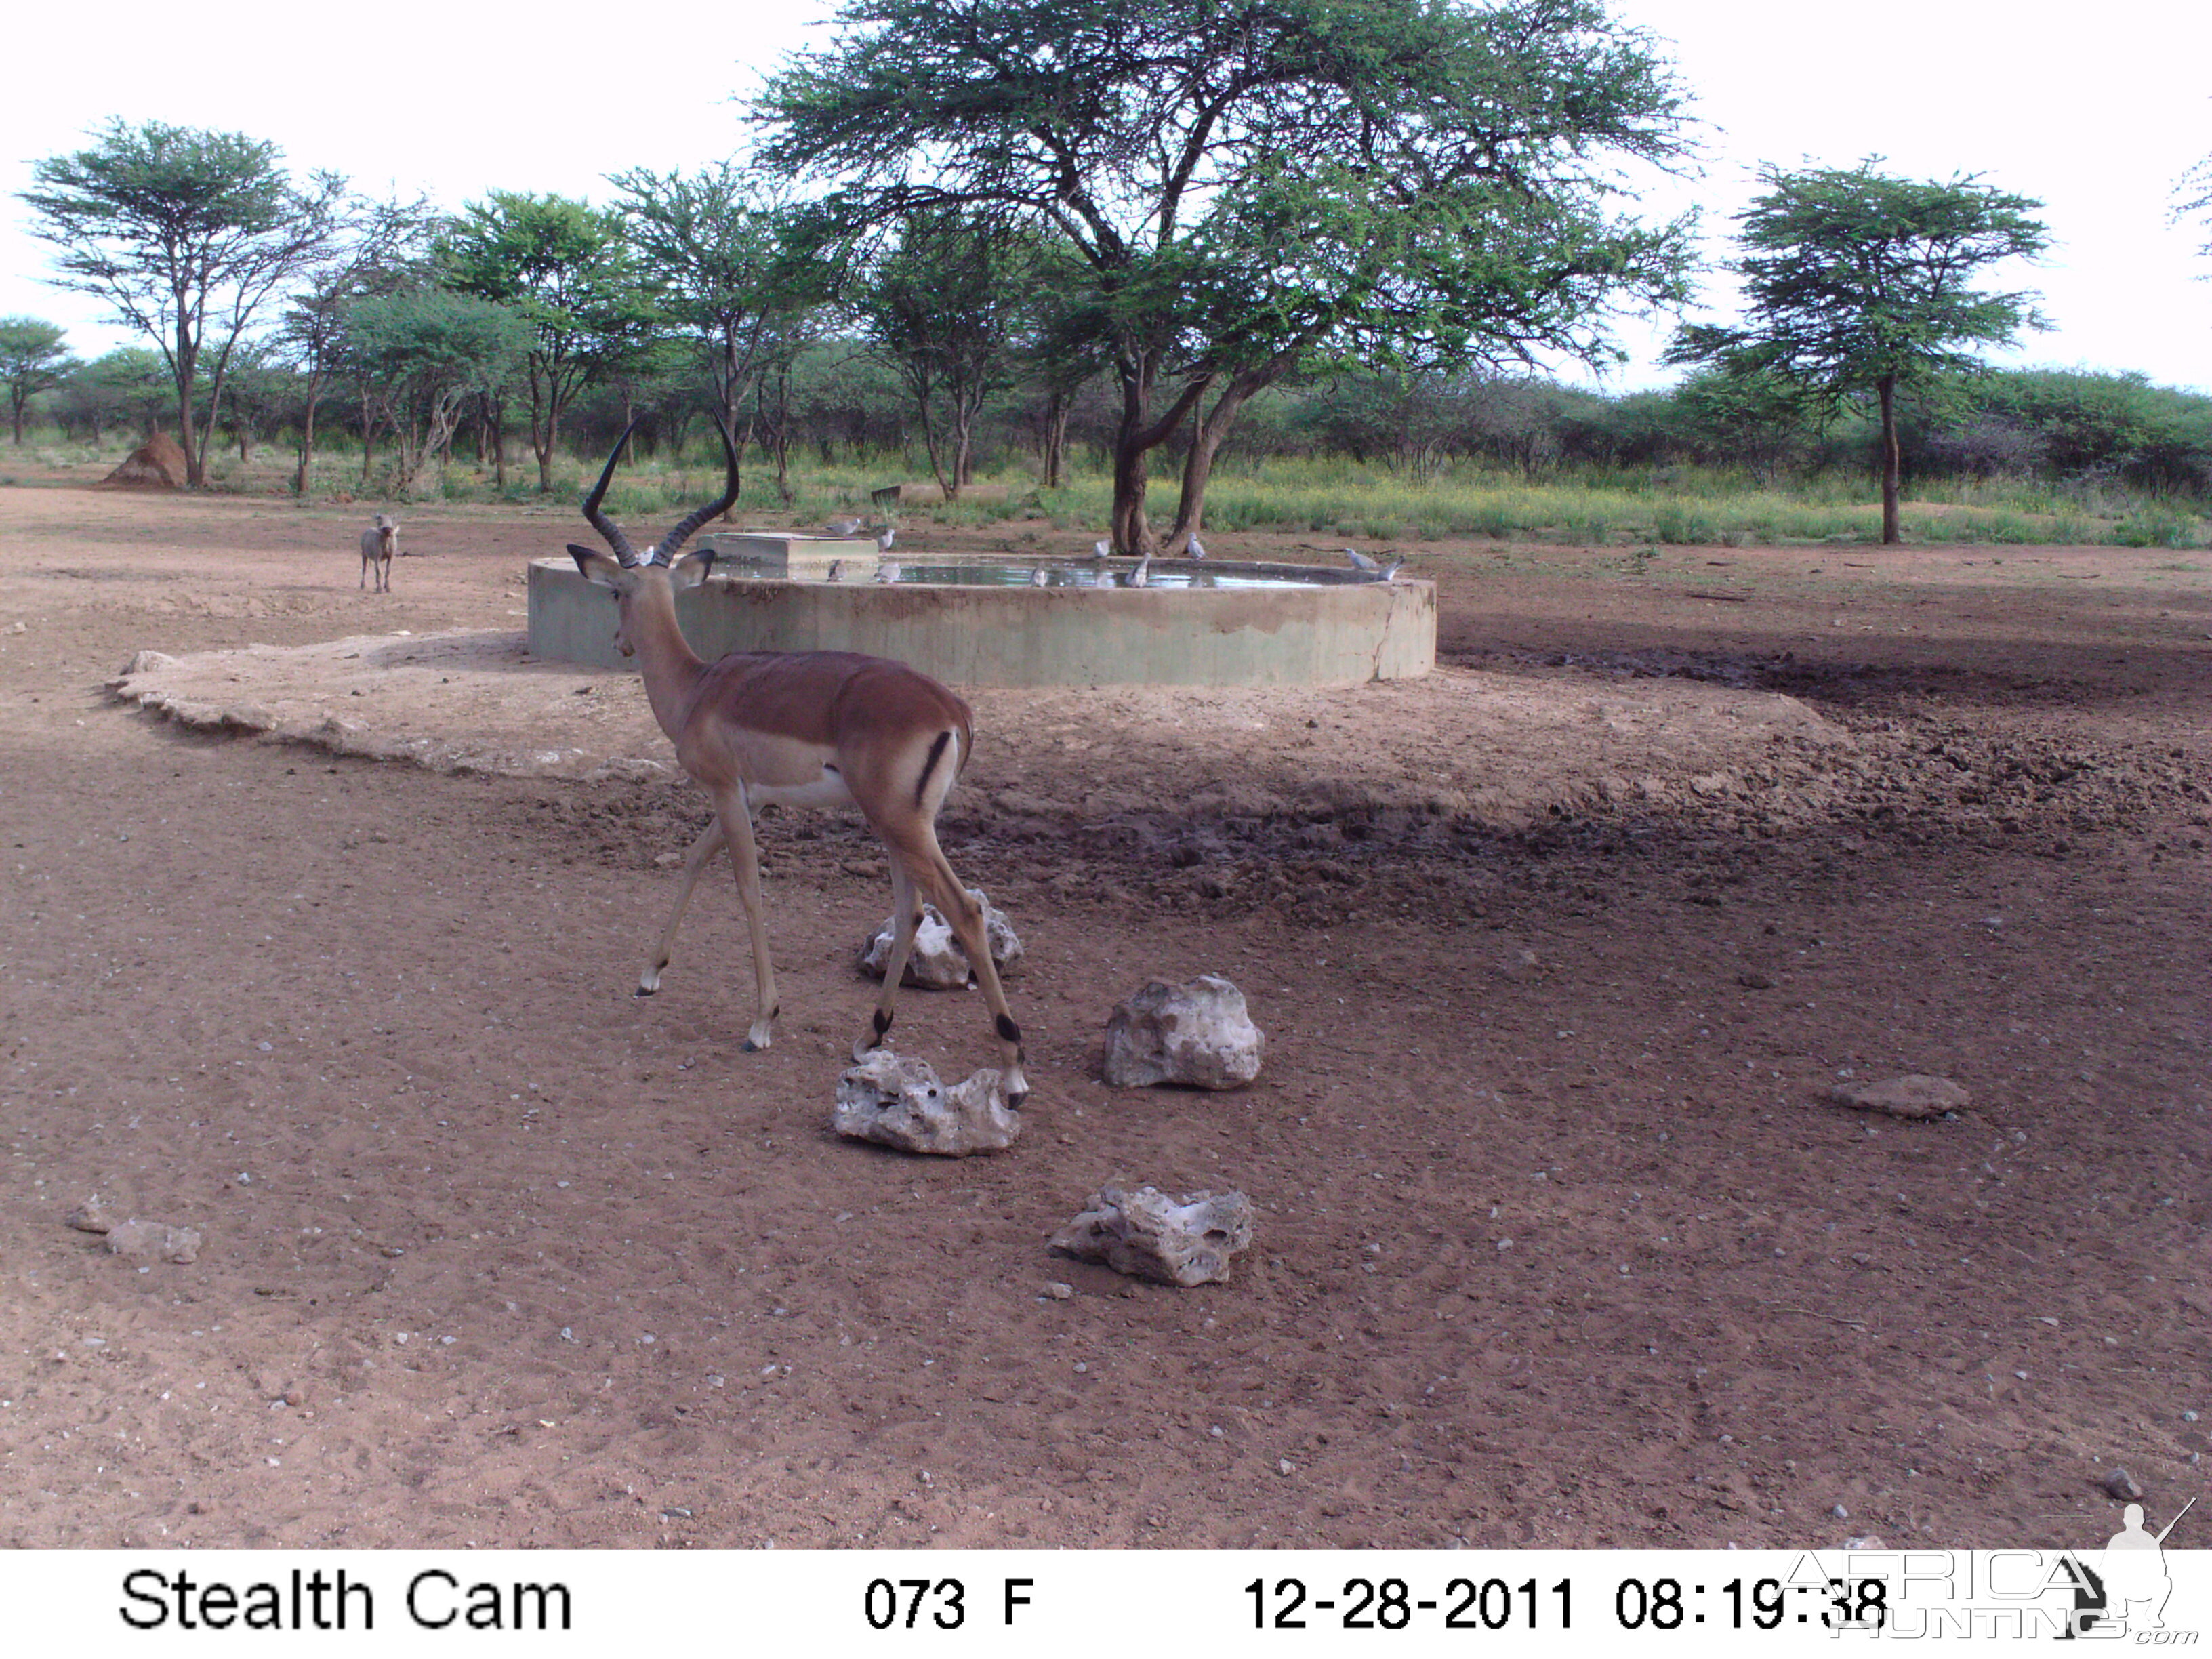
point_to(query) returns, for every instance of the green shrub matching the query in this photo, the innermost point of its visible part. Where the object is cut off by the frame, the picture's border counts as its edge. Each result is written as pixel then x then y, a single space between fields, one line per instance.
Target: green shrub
pixel 2159 527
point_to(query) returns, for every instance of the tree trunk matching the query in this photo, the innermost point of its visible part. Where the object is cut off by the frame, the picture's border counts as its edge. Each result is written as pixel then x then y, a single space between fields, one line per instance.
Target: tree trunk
pixel 186 367
pixel 215 402
pixel 963 440
pixel 1134 441
pixel 15 398
pixel 1891 460
pixel 1130 533
pixel 1207 437
pixel 775 429
pixel 1055 437
pixel 307 437
pixel 742 438
pixel 544 416
pixel 922 384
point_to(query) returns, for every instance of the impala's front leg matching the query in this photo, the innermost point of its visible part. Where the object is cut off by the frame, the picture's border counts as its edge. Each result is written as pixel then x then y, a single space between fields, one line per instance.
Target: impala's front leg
pixel 906 916
pixel 736 821
pixel 702 853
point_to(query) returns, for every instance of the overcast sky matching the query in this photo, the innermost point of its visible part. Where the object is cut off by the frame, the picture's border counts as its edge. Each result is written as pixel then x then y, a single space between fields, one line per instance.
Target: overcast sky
pixel 2094 111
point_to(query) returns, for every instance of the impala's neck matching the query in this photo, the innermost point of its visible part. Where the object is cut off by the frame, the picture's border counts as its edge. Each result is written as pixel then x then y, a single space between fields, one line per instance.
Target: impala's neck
pixel 671 668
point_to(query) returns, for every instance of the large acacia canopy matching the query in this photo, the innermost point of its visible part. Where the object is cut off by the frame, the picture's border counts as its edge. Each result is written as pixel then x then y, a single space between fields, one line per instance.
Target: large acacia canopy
pixel 1248 186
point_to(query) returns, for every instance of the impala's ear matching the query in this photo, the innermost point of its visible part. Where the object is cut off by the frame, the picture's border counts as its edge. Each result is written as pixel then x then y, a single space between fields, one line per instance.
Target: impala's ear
pixel 595 566
pixel 692 567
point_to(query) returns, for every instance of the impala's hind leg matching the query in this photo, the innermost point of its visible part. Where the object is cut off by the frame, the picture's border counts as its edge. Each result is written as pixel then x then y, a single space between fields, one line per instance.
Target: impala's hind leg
pixel 958 907
pixel 906 916
pixel 702 853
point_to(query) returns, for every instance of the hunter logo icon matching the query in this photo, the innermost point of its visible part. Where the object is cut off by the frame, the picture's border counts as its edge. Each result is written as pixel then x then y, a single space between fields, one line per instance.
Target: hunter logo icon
pixel 2135 1569
pixel 2128 1589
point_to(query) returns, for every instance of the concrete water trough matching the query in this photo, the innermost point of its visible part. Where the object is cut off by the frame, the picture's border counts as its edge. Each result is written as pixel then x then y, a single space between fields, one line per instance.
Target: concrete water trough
pixel 994 623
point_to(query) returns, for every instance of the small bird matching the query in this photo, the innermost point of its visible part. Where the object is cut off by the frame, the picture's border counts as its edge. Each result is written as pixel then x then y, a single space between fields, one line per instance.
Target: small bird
pixel 887 571
pixel 1100 550
pixel 1037 578
pixel 1141 576
pixel 1197 547
pixel 884 538
pixel 1361 562
pixel 837 572
pixel 1389 572
pixel 842 527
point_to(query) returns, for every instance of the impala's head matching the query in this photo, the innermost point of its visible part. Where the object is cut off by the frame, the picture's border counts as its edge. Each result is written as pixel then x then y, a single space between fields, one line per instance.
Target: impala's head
pixel 662 564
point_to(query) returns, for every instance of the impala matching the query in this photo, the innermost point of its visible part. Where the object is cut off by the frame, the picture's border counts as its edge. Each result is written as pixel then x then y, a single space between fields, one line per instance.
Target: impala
pixel 798 728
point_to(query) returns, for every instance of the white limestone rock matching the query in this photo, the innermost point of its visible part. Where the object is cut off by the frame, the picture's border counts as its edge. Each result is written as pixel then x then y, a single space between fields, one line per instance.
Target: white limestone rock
pixel 142 662
pixel 1198 1034
pixel 900 1102
pixel 153 1238
pixel 1170 1240
pixel 937 963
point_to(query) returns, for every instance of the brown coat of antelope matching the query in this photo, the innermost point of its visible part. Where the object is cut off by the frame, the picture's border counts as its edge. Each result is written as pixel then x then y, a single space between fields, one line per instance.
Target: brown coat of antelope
pixel 798 728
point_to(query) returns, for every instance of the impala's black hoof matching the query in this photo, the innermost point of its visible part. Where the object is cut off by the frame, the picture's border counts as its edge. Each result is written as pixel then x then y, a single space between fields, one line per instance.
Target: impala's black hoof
pixel 642 992
pixel 1014 1101
pixel 749 1047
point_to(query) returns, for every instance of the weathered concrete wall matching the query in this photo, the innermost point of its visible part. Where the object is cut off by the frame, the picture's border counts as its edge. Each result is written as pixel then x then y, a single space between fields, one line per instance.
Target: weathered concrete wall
pixel 1337 634
pixel 765 553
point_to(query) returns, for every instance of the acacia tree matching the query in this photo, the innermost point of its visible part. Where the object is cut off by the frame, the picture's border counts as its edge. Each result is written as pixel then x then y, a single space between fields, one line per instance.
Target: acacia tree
pixel 566 268
pixel 256 392
pixel 129 385
pixel 1748 413
pixel 946 306
pixel 1253 185
pixel 377 247
pixel 423 356
pixel 1068 345
pixel 723 247
pixel 32 359
pixel 1858 285
pixel 186 233
pixel 2192 197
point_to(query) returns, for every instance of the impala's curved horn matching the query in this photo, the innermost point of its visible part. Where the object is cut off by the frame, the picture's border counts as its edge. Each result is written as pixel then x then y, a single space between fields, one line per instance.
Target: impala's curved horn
pixel 625 555
pixel 672 542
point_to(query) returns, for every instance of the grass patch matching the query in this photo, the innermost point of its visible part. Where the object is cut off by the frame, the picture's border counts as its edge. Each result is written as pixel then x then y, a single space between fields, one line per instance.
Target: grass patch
pixel 1330 497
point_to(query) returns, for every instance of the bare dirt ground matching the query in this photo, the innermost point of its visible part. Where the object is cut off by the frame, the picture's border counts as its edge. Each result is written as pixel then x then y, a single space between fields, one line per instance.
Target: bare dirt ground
pixel 1556 951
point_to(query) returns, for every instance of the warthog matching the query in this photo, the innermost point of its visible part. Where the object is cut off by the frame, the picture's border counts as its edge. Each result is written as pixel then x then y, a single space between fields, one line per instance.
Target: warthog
pixel 379 545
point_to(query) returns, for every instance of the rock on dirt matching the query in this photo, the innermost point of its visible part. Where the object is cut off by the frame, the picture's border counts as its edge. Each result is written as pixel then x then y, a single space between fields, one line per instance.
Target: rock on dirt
pixel 1198 1034
pixel 2122 1485
pixel 937 963
pixel 899 1102
pixel 1910 1096
pixel 1184 1241
pixel 142 662
pixel 153 1238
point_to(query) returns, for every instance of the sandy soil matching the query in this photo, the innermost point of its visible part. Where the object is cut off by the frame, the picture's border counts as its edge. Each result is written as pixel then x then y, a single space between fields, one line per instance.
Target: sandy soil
pixel 1556 953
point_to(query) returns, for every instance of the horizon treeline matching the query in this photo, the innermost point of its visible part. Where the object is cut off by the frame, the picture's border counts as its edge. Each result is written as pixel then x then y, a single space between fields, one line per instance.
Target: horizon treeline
pixel 841 401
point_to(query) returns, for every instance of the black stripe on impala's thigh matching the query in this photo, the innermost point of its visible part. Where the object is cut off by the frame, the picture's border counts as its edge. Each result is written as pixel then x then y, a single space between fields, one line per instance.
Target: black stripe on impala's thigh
pixel 929 766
